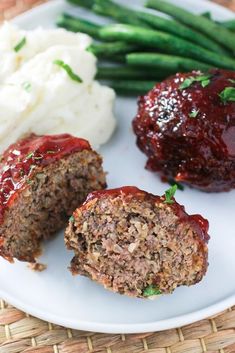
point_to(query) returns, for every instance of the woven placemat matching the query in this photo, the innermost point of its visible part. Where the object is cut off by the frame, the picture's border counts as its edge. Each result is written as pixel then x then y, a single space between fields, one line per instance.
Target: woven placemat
pixel 22 333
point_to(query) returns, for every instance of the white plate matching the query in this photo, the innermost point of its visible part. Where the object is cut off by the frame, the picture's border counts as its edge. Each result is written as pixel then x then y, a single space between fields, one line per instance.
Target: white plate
pixel 77 302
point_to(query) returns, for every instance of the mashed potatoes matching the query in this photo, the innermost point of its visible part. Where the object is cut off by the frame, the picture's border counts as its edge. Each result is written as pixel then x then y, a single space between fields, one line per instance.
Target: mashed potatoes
pixel 39 96
pixel 37 41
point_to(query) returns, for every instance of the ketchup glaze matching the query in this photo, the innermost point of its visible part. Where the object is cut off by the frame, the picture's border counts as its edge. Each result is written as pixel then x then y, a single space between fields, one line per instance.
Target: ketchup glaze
pixel 189 134
pixel 20 161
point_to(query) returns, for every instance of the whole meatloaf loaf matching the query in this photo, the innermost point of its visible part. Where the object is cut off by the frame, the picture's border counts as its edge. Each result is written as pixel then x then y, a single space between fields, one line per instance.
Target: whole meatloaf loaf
pixel 186 127
pixel 137 244
pixel 42 180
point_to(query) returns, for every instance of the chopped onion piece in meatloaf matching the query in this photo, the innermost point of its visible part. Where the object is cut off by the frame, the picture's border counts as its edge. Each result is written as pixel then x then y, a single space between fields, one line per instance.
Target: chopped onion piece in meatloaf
pixel 137 244
pixel 42 180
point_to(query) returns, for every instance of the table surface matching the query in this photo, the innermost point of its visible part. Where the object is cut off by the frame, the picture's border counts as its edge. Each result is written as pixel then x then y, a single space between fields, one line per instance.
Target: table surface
pixel 227 3
pixel 21 333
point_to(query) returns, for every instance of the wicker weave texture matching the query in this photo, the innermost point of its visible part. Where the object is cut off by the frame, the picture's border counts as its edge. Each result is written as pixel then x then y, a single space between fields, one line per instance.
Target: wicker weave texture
pixel 21 333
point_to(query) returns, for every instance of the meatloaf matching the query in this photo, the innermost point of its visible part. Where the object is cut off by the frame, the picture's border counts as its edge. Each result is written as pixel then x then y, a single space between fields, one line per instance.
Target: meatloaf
pixel 42 180
pixel 186 127
pixel 137 244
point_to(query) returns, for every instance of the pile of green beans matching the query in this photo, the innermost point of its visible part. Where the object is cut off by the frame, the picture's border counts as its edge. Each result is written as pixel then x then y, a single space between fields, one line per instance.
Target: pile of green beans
pixel 75 24
pixel 147 20
pixel 142 48
pixel 210 28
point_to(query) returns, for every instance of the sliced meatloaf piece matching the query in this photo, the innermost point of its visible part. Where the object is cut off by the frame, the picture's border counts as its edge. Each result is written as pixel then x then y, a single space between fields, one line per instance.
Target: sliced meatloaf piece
pixel 42 180
pixel 137 244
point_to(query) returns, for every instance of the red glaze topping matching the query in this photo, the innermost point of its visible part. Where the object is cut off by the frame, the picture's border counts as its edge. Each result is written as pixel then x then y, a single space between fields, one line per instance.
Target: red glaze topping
pixel 20 160
pixel 197 150
pixel 127 190
pixel 196 221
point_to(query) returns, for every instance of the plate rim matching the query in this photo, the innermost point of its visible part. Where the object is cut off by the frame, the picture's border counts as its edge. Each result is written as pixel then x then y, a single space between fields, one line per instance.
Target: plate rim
pixel 122 328
pixel 160 325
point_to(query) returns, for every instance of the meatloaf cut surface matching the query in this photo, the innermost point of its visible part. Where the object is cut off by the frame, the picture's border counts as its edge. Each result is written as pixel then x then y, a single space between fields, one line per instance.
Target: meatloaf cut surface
pixel 42 180
pixel 137 244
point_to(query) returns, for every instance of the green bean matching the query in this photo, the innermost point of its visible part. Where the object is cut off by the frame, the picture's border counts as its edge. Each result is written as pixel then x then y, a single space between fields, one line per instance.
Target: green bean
pixel 101 50
pixel 132 87
pixel 144 19
pixel 207 14
pixel 111 50
pixel 127 72
pixel 165 62
pixel 180 30
pixel 164 42
pixel 230 24
pixel 76 24
pixel 200 23
pixel 83 3
pixel 119 12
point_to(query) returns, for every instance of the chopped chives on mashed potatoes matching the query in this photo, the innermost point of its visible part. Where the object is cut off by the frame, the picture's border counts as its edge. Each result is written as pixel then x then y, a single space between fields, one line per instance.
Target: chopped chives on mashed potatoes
pixel 38 95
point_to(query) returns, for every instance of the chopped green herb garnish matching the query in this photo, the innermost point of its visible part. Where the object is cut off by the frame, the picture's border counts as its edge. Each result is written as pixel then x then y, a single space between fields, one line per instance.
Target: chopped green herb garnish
pixel 231 80
pixel 150 291
pixel 28 181
pixel 27 86
pixel 68 69
pixel 20 45
pixel 30 155
pixel 205 83
pixel 193 114
pixel 204 79
pixel 71 219
pixel 187 83
pixel 173 182
pixel 228 94
pixel 170 193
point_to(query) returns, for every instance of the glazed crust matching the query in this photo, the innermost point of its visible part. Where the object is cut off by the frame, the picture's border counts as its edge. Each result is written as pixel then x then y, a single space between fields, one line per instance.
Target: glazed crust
pixel 199 151
pixel 42 200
